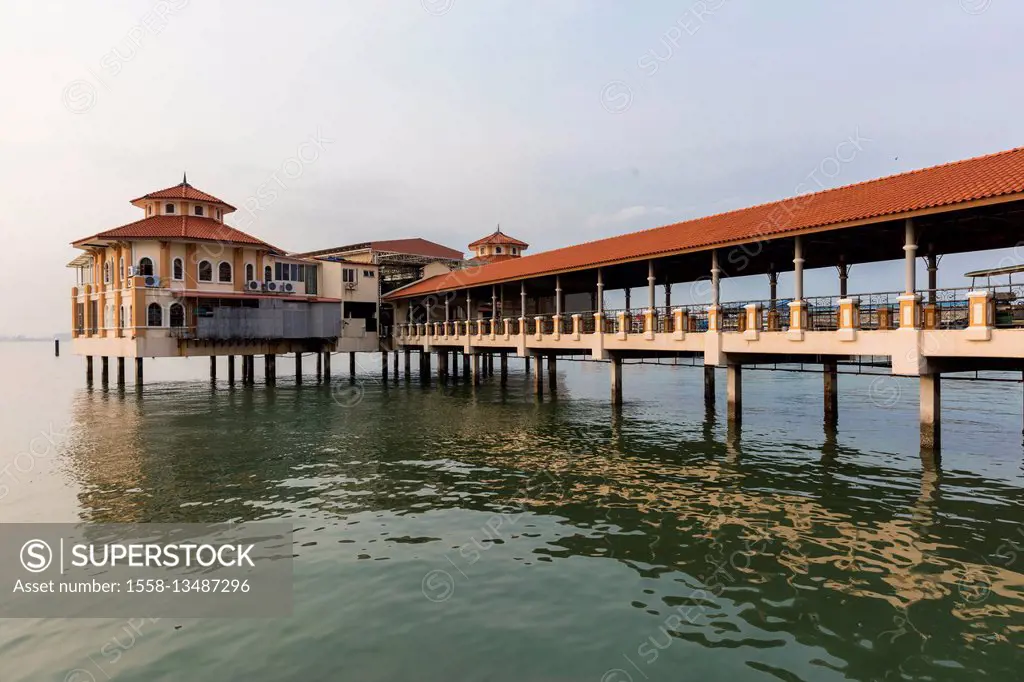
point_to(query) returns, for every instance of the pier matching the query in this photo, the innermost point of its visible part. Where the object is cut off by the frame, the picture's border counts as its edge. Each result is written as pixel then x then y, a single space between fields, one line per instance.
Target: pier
pixel 520 305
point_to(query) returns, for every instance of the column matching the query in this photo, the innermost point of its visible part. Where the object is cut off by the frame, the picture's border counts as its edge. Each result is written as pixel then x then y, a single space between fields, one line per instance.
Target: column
pixel 88 369
pixel 910 308
pixel 319 366
pixel 105 370
pixel 298 367
pixel 526 364
pixel 734 392
pixel 538 376
pixel 425 375
pixel 798 306
pixel 773 300
pixel 442 367
pixel 231 370
pixel 709 387
pixel 668 296
pixel 600 291
pixel 552 373
pixel 557 328
pixel 649 321
pixel 830 377
pixel 930 411
pixel 213 368
pixel 616 379
pixel 138 371
pixel 408 364
pixel 455 366
pixel 475 368
pixel 384 366
pixel 494 310
pixel 327 367
pixel 490 364
pixel 120 372
pixel 931 309
pixel 844 276
pixel 396 366
pixel 270 369
pixel 504 368
pixel 465 366
pixel 714 310
pixel 352 366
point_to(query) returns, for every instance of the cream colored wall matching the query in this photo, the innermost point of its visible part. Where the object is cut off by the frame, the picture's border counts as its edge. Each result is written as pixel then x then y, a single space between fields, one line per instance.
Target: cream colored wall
pixel 434 269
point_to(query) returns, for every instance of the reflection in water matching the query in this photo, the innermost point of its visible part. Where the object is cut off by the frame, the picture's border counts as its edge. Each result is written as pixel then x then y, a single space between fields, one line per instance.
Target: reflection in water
pixel 578 536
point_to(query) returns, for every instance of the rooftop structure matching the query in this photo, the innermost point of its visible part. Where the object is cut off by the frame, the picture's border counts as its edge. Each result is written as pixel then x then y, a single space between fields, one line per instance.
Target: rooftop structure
pixel 497 246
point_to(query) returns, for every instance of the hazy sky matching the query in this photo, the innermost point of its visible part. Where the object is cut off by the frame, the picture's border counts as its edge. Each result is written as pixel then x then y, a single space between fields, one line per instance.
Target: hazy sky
pixel 563 120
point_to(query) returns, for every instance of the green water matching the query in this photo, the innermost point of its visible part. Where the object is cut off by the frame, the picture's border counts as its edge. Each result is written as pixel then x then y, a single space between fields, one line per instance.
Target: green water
pixel 452 534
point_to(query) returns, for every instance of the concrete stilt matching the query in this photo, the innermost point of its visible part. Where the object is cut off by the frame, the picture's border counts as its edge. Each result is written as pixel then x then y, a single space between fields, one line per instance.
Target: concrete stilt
pixel 319 366
pixel 830 377
pixel 616 365
pixel 465 366
pixel 327 367
pixel 426 367
pixel 526 366
pixel 442 367
pixel 138 371
pixel 476 368
pixel 384 372
pixel 298 367
pixel 408 364
pixel 105 370
pixel 552 374
pixel 396 367
pixel 120 372
pixel 88 369
pixel 734 392
pixel 352 366
pixel 538 376
pixel 709 387
pixel 270 369
pixel 504 368
pixel 213 368
pixel 490 364
pixel 231 370
pixel 455 366
pixel 931 395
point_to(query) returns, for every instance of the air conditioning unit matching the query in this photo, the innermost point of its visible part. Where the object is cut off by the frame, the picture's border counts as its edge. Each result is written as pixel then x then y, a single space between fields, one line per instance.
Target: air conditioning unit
pixel 274 287
pixel 152 281
pixel 131 271
pixel 350 285
pixel 253 285
pixel 288 287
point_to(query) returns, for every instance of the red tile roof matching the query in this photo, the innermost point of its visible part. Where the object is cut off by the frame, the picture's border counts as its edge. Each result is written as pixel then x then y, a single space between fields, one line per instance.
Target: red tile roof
pixel 181 227
pixel 498 237
pixel 983 177
pixel 185 191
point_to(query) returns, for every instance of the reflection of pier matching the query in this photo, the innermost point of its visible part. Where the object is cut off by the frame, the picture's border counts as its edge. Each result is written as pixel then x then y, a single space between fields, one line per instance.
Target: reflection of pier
pixel 552 304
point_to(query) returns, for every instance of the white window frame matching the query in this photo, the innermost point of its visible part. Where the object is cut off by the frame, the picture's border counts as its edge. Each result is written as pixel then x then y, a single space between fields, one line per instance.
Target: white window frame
pixel 199 272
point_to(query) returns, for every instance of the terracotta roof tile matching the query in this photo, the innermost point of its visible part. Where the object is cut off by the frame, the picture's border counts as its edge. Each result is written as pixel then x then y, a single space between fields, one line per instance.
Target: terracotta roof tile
pixel 498 237
pixel 185 191
pixel 181 227
pixel 417 247
pixel 978 178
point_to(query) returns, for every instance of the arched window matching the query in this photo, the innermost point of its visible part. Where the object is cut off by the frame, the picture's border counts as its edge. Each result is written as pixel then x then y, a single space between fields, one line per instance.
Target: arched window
pixel 177 315
pixel 268 273
pixel 146 267
pixel 250 272
pixel 106 272
pixel 497 249
pixel 179 269
pixel 120 317
pixel 514 251
pixel 168 208
pixel 205 271
pixel 224 272
pixel 149 210
pixel 124 273
pixel 155 316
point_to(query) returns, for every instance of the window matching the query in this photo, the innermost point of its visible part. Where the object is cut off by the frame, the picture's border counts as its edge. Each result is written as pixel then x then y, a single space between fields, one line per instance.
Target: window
pixel 123 272
pixel 367 273
pixel 296 275
pixel 155 316
pixel 169 208
pixel 149 209
pixel 218 214
pixel 106 272
pixel 514 250
pixel 199 210
pixel 497 249
pixel 177 315
pixel 146 267
pixel 348 275
pixel 250 272
pixel 120 317
pixel 267 274
pixel 205 271
pixel 179 269
pixel 224 272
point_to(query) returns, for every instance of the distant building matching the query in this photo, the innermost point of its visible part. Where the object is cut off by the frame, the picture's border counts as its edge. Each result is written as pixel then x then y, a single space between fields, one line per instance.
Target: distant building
pixel 497 246
pixel 180 282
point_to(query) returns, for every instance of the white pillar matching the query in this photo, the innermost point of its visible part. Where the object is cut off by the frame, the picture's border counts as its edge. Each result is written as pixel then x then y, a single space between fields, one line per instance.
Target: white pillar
pixel 910 256
pixel 522 297
pixel 494 302
pixel 650 286
pixel 798 268
pixel 715 274
pixel 558 295
pixel 600 290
